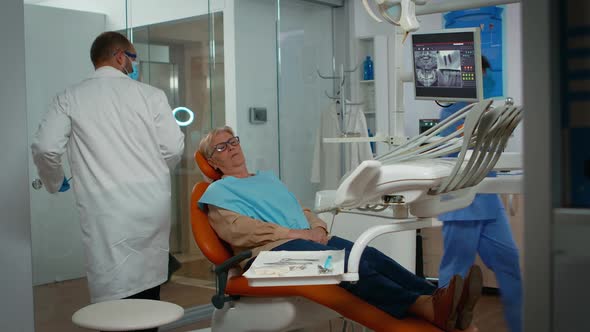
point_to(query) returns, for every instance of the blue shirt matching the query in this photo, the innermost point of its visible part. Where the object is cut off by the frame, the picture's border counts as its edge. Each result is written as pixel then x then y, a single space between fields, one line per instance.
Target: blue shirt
pixel 484 206
pixel 262 196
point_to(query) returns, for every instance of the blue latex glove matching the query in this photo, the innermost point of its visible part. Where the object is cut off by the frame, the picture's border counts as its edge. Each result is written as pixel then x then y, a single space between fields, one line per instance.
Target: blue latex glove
pixel 65 186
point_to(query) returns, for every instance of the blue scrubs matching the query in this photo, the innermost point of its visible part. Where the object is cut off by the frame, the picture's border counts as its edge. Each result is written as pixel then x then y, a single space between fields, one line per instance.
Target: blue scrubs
pixel 482 228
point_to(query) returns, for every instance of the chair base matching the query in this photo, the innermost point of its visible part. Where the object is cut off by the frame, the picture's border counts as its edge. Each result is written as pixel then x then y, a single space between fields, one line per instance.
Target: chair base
pixel 250 314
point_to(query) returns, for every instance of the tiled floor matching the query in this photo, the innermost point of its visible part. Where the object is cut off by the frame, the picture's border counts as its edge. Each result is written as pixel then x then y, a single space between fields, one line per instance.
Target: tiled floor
pixel 192 285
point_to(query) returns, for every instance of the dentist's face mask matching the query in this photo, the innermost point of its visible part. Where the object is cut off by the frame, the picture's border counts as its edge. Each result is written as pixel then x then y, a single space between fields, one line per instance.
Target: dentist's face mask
pixel 134 73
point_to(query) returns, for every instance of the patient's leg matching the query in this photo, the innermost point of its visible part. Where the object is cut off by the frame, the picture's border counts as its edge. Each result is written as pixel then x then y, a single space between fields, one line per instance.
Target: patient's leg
pixel 373 287
pixel 380 290
pixel 384 292
pixel 388 268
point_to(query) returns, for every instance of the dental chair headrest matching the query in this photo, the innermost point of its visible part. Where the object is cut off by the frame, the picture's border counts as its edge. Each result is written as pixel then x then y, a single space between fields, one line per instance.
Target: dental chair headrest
pixel 208 171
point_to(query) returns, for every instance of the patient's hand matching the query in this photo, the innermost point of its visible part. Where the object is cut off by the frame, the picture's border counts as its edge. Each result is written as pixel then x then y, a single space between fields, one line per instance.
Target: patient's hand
pixel 317 234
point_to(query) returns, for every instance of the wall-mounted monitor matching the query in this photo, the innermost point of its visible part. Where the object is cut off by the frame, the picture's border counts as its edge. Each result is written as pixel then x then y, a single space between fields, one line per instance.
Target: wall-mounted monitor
pixel 447 65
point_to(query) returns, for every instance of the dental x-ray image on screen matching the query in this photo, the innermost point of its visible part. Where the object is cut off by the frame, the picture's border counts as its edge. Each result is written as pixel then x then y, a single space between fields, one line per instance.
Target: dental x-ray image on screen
pixel 447 65
pixel 438 68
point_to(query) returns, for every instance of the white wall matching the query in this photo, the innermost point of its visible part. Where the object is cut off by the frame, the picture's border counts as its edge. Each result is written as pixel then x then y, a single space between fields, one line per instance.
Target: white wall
pixel 113 9
pixel 16 302
pixel 140 12
pixel 145 12
pixel 513 66
pixel 363 26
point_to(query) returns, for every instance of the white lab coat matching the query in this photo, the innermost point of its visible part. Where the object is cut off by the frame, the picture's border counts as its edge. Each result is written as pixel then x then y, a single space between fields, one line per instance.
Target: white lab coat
pixel 326 166
pixel 356 153
pixel 121 140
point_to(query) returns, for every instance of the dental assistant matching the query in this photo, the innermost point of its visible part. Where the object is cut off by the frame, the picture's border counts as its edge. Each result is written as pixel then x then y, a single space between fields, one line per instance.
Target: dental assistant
pixel 121 141
pixel 482 228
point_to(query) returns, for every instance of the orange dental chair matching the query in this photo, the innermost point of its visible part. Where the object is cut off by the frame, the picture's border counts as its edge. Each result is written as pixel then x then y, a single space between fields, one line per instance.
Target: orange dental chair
pixel 240 307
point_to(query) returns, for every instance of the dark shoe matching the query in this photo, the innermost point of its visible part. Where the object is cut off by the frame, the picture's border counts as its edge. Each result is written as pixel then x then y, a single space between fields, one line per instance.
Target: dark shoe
pixel 471 293
pixel 445 302
pixel 173 266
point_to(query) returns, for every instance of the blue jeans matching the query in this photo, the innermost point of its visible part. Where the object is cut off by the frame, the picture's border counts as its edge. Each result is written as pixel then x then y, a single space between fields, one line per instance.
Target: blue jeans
pixel 492 239
pixel 382 281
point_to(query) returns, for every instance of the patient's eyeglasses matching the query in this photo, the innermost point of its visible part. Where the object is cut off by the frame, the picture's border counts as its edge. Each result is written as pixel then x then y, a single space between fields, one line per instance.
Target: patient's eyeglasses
pixel 220 147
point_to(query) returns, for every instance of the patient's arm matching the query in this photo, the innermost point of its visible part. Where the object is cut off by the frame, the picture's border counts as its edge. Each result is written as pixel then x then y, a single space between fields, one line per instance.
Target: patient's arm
pixel 242 231
pixel 314 221
pixel 318 228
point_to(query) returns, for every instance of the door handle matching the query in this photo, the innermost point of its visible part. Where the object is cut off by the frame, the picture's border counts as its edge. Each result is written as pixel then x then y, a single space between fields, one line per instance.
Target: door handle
pixel 37 184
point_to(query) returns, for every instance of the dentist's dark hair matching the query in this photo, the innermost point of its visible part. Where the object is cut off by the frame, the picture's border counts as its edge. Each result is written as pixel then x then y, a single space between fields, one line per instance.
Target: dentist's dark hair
pixel 485 64
pixel 106 44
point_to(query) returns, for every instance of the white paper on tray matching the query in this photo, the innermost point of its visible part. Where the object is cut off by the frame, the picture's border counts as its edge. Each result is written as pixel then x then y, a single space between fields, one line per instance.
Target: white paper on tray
pixel 283 268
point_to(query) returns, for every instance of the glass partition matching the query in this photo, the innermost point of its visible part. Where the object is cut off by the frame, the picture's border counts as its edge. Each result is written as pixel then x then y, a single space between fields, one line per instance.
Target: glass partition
pixel 306 47
pixel 256 70
pixel 181 52
pixel 279 46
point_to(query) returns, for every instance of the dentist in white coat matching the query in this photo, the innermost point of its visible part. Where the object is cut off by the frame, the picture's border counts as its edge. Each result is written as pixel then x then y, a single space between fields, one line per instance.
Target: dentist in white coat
pixel 121 141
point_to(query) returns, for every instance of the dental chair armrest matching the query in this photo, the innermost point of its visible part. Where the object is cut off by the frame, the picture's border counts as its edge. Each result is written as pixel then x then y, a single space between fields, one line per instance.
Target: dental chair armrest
pixel 233 261
pixel 221 272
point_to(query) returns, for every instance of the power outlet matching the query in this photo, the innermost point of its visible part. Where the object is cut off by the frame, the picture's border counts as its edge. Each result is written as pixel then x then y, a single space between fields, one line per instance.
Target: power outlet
pixel 257 115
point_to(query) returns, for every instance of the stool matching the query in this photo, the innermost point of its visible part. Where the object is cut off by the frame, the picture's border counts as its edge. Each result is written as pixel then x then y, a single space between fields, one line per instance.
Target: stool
pixel 127 315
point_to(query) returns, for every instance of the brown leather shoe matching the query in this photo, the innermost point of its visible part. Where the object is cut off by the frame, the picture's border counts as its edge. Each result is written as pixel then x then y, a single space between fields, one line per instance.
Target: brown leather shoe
pixel 472 287
pixel 445 302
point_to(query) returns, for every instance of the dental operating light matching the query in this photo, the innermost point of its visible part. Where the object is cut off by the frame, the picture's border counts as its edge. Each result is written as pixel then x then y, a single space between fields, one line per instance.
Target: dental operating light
pixel 397 12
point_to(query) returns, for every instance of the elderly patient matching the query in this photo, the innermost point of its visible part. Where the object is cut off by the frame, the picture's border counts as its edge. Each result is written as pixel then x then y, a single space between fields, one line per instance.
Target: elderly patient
pixel 257 212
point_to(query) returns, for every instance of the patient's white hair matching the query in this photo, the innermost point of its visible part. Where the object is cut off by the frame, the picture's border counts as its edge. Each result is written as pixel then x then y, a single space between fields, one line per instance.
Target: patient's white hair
pixel 205 146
